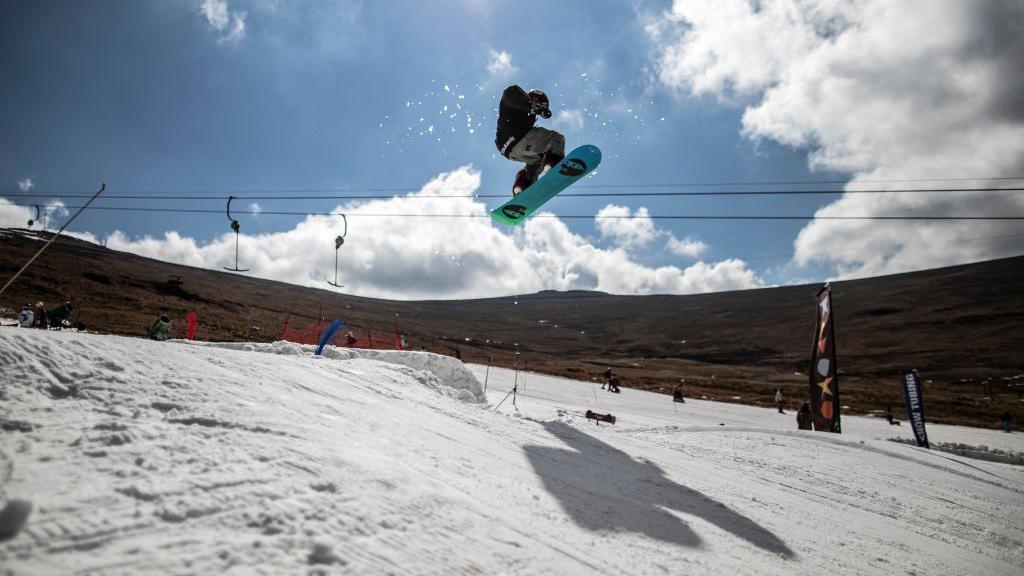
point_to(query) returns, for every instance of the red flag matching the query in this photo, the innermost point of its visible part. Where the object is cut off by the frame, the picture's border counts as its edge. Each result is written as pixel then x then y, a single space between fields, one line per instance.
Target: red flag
pixel 191 319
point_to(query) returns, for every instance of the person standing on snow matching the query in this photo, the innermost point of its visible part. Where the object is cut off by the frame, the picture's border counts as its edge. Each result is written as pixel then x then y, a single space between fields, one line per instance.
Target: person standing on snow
pixel 39 319
pixel 160 329
pixel 778 399
pixel 803 417
pixel 26 318
pixel 518 139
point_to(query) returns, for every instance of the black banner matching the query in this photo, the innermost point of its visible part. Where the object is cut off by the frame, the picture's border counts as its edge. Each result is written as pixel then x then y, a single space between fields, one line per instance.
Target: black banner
pixel 915 408
pixel 824 379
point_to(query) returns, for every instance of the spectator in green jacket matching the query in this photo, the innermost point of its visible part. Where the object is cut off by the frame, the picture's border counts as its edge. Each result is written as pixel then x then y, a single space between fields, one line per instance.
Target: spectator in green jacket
pixel 160 329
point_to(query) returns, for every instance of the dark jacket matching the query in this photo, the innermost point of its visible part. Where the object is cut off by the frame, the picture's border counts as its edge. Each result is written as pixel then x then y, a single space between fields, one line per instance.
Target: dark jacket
pixel 60 313
pixel 514 118
pixel 803 417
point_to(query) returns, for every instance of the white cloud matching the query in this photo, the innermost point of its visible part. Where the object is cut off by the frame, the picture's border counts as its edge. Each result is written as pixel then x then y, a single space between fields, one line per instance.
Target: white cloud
pixel 626 228
pixel 229 24
pixel 387 255
pixel 631 230
pixel 256 209
pixel 500 64
pixel 26 185
pixel 883 90
pixel 689 246
pixel 569 120
pixel 12 216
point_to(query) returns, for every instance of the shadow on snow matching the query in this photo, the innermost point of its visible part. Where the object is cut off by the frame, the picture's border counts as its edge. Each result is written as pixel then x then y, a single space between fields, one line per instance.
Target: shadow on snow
pixel 603 489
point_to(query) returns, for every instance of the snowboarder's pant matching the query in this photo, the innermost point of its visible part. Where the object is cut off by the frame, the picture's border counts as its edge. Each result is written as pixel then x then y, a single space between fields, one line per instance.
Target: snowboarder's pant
pixel 533 145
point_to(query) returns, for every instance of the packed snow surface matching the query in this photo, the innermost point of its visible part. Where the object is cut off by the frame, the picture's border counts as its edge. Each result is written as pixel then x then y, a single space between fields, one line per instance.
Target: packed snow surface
pixel 139 457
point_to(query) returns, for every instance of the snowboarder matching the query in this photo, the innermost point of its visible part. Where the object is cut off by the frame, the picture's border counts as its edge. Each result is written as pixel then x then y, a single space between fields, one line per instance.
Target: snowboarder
pixel 803 417
pixel 518 139
pixel 613 384
pixel 677 393
pixel 890 417
pixel 778 399
pixel 60 314
pixel 160 329
pixel 26 318
pixel 1007 420
pixel 607 377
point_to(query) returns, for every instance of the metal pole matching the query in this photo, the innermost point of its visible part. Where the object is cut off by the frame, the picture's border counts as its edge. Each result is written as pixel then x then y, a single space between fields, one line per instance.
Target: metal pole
pixel 487 374
pixel 103 187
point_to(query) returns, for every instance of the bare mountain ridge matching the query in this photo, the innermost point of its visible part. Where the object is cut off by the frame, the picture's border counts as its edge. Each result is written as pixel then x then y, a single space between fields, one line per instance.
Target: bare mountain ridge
pixel 960 326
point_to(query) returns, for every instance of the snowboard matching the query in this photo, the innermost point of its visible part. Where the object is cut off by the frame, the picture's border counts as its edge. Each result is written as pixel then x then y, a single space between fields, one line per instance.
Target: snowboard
pixel 574 166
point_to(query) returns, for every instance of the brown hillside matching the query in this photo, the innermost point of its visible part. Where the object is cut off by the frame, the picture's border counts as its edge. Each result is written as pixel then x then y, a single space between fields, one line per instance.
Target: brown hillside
pixel 961 327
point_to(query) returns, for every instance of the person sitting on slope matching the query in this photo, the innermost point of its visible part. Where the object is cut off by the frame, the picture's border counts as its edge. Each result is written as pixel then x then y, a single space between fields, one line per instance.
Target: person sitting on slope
pixel 518 139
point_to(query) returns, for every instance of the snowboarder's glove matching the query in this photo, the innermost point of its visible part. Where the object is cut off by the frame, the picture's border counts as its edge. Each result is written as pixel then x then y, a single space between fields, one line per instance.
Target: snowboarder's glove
pixel 541 110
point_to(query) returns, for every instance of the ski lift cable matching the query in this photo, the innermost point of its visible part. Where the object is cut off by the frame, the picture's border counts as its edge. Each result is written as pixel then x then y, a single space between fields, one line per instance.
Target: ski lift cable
pixel 237 191
pixel 562 216
pixel 332 196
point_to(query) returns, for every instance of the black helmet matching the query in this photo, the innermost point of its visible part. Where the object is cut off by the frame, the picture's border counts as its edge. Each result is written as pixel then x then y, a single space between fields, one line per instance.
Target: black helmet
pixel 538 97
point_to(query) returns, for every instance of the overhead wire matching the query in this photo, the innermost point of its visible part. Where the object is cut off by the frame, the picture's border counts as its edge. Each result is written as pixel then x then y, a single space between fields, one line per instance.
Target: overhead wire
pixel 561 216
pixel 166 196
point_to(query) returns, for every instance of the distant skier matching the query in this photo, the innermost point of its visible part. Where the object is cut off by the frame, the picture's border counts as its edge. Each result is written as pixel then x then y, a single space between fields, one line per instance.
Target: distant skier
pixel 803 417
pixel 677 393
pixel 1007 420
pixel 778 400
pixel 607 377
pixel 518 139
pixel 890 417
pixel 160 329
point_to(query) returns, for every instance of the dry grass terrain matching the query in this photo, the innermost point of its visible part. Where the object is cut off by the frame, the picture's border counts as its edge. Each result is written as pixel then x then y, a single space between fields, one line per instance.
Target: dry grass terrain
pixel 961 327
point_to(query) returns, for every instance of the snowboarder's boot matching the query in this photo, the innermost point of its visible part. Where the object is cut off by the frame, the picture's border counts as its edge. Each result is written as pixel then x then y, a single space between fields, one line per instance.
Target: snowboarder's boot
pixel 551 158
pixel 524 178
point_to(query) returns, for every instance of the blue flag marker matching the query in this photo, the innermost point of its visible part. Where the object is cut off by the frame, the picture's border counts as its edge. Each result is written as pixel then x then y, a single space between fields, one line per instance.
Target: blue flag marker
pixel 328 335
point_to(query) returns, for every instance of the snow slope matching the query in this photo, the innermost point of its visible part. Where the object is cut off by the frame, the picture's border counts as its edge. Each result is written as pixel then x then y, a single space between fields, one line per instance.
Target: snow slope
pixel 143 457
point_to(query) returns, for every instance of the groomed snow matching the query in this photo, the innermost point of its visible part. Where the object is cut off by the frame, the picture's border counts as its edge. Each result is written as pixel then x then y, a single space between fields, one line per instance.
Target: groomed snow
pixel 141 457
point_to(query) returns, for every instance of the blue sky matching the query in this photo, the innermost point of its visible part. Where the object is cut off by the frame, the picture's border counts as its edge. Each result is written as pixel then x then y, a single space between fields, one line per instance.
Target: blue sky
pixel 242 97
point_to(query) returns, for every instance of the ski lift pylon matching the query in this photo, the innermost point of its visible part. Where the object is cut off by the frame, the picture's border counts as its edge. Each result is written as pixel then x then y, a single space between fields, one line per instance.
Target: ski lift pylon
pixel 337 248
pixel 235 227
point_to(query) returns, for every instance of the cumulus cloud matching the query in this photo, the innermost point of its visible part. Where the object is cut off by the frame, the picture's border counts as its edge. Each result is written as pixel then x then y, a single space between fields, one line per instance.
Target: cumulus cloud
pixel 229 24
pixel 13 216
pixel 500 64
pixel 569 120
pixel 624 227
pixel 388 255
pixel 882 90
pixel 630 230
pixel 689 246
pixel 26 184
pixel 256 209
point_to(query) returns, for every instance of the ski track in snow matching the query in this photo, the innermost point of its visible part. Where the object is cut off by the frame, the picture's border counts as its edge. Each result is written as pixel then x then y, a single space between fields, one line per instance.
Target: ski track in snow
pixel 145 457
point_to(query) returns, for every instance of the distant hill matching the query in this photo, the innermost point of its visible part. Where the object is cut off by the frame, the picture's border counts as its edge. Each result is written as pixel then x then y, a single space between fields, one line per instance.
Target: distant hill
pixel 961 327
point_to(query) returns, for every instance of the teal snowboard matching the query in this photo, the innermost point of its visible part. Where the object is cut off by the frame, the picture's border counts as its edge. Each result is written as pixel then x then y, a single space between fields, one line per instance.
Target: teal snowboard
pixel 574 166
